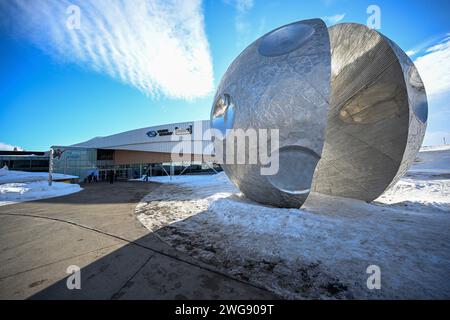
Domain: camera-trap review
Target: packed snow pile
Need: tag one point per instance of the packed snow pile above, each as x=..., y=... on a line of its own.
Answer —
x=10, y=176
x=20, y=186
x=434, y=161
x=419, y=194
x=322, y=250
x=445, y=147
x=427, y=183
x=192, y=180
x=27, y=191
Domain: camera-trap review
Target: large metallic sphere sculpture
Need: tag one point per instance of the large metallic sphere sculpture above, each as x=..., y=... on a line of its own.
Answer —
x=349, y=104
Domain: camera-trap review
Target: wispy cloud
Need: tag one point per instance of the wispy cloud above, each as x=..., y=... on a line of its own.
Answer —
x=242, y=25
x=432, y=59
x=157, y=46
x=434, y=67
x=330, y=20
x=8, y=147
x=243, y=5
x=329, y=2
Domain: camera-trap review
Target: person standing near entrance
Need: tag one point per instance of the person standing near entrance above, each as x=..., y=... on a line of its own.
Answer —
x=111, y=176
x=95, y=175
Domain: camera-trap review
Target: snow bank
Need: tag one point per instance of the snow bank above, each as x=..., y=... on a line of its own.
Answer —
x=191, y=179
x=27, y=191
x=10, y=176
x=434, y=161
x=188, y=180
x=419, y=194
x=323, y=249
x=435, y=148
x=426, y=186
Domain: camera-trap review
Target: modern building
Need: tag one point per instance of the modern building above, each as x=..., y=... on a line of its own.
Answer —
x=166, y=149
x=33, y=161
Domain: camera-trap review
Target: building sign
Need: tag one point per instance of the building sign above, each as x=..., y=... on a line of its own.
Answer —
x=166, y=132
x=181, y=131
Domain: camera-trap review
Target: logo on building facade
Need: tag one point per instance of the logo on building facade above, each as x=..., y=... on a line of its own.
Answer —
x=152, y=134
x=58, y=153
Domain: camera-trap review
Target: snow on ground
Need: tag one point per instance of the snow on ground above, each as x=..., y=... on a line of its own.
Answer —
x=432, y=161
x=427, y=183
x=27, y=191
x=445, y=147
x=20, y=186
x=419, y=194
x=10, y=176
x=322, y=250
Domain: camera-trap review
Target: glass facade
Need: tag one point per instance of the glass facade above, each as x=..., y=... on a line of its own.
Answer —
x=82, y=162
x=74, y=161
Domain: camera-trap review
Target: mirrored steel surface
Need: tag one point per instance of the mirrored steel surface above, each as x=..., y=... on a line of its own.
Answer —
x=349, y=103
x=377, y=115
x=287, y=88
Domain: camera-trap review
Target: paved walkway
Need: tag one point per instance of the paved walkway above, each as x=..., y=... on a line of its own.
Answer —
x=97, y=231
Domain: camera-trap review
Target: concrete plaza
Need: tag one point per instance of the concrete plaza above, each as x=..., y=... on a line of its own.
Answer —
x=96, y=230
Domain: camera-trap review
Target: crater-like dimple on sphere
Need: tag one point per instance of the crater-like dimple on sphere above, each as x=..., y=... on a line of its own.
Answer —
x=296, y=169
x=285, y=39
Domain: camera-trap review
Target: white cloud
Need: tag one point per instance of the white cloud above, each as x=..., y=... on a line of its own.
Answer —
x=334, y=19
x=244, y=5
x=157, y=46
x=241, y=22
x=8, y=147
x=434, y=67
x=411, y=52
x=433, y=63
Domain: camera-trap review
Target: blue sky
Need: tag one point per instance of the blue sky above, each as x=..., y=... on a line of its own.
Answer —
x=131, y=68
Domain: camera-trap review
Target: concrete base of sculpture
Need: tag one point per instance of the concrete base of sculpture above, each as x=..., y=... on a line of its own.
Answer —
x=349, y=104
